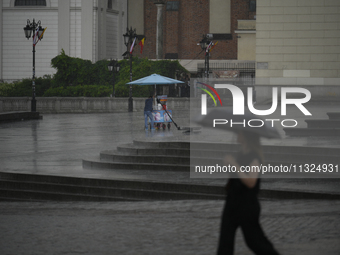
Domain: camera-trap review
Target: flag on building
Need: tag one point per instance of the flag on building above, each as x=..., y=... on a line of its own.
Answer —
x=133, y=45
x=213, y=46
x=35, y=36
x=41, y=36
x=141, y=43
x=208, y=48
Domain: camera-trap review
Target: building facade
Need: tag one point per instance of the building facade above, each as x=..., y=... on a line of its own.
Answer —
x=186, y=21
x=291, y=42
x=298, y=42
x=88, y=29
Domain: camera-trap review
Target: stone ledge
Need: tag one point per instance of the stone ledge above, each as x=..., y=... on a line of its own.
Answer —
x=18, y=116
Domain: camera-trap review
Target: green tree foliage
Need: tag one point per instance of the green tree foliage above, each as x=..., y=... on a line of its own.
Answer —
x=6, y=88
x=23, y=88
x=141, y=68
x=76, y=71
x=79, y=77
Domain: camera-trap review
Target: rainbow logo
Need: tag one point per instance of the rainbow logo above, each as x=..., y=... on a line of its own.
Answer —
x=213, y=90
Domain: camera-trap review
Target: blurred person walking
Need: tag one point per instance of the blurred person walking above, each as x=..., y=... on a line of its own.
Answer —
x=242, y=208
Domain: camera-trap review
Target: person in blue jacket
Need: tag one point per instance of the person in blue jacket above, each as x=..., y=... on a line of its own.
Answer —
x=148, y=112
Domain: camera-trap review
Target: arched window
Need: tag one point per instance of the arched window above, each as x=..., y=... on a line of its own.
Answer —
x=30, y=3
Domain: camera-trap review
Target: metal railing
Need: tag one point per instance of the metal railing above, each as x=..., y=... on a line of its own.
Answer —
x=244, y=71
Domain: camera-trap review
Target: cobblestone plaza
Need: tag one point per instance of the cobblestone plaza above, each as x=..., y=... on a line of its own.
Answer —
x=57, y=144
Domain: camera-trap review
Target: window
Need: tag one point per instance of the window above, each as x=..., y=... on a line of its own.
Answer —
x=171, y=55
x=109, y=4
x=252, y=5
x=30, y=3
x=172, y=6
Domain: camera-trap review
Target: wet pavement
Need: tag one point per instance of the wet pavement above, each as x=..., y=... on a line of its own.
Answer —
x=57, y=144
x=163, y=228
x=59, y=141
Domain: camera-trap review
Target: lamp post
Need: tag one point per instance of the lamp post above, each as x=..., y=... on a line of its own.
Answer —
x=205, y=43
x=113, y=67
x=33, y=27
x=130, y=38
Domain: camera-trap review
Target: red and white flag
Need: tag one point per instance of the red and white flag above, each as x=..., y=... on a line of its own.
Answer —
x=36, y=37
x=133, y=45
x=208, y=48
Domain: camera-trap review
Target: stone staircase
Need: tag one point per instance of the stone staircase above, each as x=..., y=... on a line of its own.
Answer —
x=160, y=158
x=23, y=187
x=175, y=156
x=325, y=127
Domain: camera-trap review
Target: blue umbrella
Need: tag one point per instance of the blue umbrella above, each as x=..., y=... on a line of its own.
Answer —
x=154, y=79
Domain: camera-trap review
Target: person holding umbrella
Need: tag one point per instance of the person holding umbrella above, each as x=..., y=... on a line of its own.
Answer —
x=242, y=207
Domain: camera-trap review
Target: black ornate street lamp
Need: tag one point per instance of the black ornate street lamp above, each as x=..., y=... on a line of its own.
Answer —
x=37, y=30
x=113, y=67
x=130, y=38
x=205, y=45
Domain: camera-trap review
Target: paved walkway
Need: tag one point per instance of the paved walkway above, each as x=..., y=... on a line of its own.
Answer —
x=57, y=144
x=164, y=228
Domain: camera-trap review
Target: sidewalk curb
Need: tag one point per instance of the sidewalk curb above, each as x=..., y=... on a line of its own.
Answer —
x=210, y=191
x=19, y=116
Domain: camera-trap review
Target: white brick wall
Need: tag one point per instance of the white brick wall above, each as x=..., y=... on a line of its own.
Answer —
x=299, y=37
x=111, y=35
x=75, y=29
x=16, y=53
x=17, y=50
x=54, y=3
x=94, y=41
x=6, y=3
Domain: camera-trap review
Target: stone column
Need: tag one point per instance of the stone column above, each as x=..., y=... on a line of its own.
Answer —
x=159, y=33
x=1, y=38
x=87, y=28
x=64, y=26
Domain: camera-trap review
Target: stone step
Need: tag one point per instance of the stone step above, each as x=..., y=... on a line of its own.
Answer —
x=92, y=164
x=51, y=189
x=10, y=198
x=279, y=149
x=323, y=123
x=320, y=155
x=19, y=187
x=100, y=164
x=202, y=157
x=303, y=132
x=13, y=188
x=48, y=191
x=24, y=195
x=121, y=184
x=19, y=116
x=334, y=115
x=163, y=145
x=130, y=149
x=148, y=158
x=210, y=150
